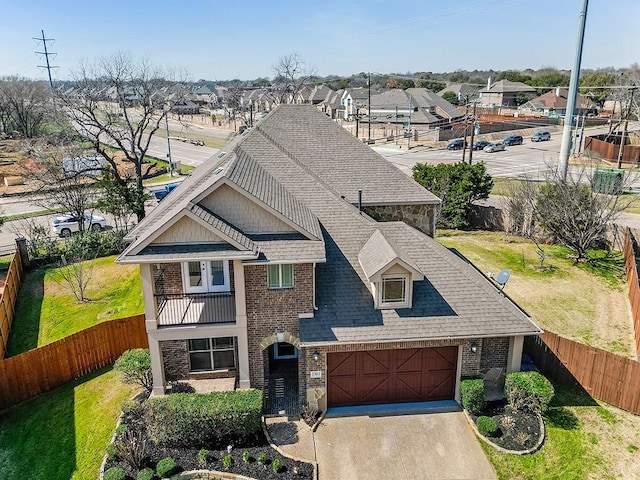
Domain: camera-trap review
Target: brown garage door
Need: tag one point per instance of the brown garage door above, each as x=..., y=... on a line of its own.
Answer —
x=390, y=376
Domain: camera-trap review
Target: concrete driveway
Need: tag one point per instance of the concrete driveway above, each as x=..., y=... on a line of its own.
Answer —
x=434, y=446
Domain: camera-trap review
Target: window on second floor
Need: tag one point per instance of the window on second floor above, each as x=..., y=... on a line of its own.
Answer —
x=280, y=276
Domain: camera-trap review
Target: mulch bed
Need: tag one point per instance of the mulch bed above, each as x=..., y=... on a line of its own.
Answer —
x=187, y=458
x=518, y=430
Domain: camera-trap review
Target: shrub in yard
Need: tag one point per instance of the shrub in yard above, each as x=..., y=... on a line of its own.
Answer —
x=203, y=456
x=114, y=473
x=135, y=367
x=487, y=426
x=201, y=419
x=145, y=474
x=472, y=395
x=227, y=461
x=246, y=456
x=131, y=448
x=165, y=467
x=275, y=466
x=262, y=458
x=528, y=391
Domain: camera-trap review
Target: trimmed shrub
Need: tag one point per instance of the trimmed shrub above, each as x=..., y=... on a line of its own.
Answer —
x=190, y=419
x=472, y=395
x=487, y=426
x=246, y=456
x=203, y=456
x=275, y=466
x=114, y=473
x=227, y=461
x=262, y=458
x=135, y=367
x=145, y=474
x=165, y=467
x=528, y=391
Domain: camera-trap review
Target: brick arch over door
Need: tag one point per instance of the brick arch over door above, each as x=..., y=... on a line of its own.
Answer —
x=282, y=337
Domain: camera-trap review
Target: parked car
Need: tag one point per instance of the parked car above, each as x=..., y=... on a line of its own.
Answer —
x=164, y=191
x=457, y=144
x=541, y=137
x=480, y=144
x=495, y=147
x=65, y=225
x=513, y=140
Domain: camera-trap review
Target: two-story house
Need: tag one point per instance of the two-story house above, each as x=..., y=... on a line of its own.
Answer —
x=299, y=248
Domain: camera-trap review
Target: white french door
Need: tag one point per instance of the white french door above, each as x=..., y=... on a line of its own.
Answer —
x=206, y=276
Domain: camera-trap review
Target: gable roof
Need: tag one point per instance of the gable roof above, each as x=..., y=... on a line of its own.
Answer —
x=431, y=108
x=379, y=253
x=557, y=99
x=506, y=86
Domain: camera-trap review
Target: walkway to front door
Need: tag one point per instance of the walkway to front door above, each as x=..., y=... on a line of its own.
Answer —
x=281, y=388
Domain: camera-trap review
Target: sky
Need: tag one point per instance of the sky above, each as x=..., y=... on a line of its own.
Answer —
x=222, y=40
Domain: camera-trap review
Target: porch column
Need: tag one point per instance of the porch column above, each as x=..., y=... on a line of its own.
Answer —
x=514, y=358
x=150, y=310
x=241, y=323
x=157, y=367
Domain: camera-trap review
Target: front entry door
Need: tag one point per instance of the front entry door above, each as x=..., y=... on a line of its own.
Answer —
x=206, y=276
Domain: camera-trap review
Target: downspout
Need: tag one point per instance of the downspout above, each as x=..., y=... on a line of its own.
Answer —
x=315, y=306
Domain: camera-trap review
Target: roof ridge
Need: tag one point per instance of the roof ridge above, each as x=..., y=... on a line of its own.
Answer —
x=238, y=236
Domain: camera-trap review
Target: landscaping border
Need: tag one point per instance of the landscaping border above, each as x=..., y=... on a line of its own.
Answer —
x=504, y=450
x=277, y=449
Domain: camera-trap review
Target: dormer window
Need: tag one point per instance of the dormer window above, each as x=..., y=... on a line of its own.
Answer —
x=394, y=290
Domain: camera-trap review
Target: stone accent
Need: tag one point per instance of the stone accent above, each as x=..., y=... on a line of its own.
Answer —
x=272, y=311
x=167, y=278
x=420, y=217
x=495, y=353
x=175, y=355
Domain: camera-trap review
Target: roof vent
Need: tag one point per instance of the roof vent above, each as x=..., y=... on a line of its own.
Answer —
x=222, y=154
x=217, y=170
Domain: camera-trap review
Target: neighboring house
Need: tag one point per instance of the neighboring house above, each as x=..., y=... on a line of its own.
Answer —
x=185, y=106
x=354, y=101
x=504, y=94
x=331, y=104
x=205, y=97
x=462, y=91
x=318, y=94
x=414, y=107
x=554, y=102
x=279, y=254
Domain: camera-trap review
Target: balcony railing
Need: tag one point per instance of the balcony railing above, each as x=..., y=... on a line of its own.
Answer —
x=190, y=308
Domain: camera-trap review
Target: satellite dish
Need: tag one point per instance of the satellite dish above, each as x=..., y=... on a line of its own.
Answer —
x=503, y=277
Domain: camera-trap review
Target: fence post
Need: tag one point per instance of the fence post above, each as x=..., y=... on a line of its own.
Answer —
x=21, y=245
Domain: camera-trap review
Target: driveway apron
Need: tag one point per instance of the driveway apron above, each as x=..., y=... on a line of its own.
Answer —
x=434, y=446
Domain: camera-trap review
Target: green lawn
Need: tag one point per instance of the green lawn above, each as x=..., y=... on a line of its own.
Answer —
x=47, y=310
x=585, y=440
x=584, y=301
x=63, y=434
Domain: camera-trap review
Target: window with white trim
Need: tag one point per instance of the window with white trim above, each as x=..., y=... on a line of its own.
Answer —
x=280, y=276
x=206, y=276
x=394, y=290
x=209, y=354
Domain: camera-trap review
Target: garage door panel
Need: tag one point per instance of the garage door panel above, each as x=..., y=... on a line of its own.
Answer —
x=388, y=376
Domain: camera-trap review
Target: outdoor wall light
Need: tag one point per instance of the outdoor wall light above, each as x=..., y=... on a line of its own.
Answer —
x=316, y=356
x=474, y=347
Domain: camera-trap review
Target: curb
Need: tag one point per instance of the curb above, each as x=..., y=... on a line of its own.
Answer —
x=504, y=450
x=277, y=449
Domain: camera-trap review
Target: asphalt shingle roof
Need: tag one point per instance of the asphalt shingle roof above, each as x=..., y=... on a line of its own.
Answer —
x=378, y=252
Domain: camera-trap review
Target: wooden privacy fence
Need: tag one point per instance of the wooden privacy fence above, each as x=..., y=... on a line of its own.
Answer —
x=631, y=266
x=8, y=300
x=37, y=371
x=603, y=375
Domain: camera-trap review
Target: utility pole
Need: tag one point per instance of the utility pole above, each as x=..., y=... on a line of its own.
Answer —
x=48, y=66
x=409, y=125
x=573, y=93
x=166, y=125
x=369, y=108
x=466, y=126
x=396, y=124
x=624, y=129
x=473, y=132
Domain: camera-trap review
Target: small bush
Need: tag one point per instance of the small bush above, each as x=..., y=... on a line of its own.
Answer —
x=528, y=391
x=262, y=458
x=203, y=456
x=487, y=426
x=131, y=448
x=472, y=395
x=135, y=368
x=227, y=461
x=145, y=474
x=275, y=466
x=202, y=419
x=165, y=467
x=120, y=429
x=246, y=457
x=114, y=473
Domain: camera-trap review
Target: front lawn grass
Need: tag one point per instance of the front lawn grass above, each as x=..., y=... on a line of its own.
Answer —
x=47, y=311
x=585, y=439
x=62, y=434
x=586, y=302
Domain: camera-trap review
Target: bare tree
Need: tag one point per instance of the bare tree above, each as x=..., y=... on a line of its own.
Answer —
x=117, y=105
x=578, y=212
x=291, y=74
x=64, y=175
x=25, y=105
x=76, y=268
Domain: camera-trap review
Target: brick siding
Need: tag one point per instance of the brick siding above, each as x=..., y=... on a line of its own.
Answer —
x=167, y=277
x=175, y=356
x=495, y=353
x=271, y=311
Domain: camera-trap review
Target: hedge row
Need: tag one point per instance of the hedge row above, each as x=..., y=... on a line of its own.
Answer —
x=189, y=419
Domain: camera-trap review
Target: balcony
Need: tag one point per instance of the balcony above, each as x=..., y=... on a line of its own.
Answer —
x=195, y=308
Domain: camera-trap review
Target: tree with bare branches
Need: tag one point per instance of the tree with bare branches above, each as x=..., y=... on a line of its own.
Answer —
x=25, y=105
x=118, y=104
x=291, y=74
